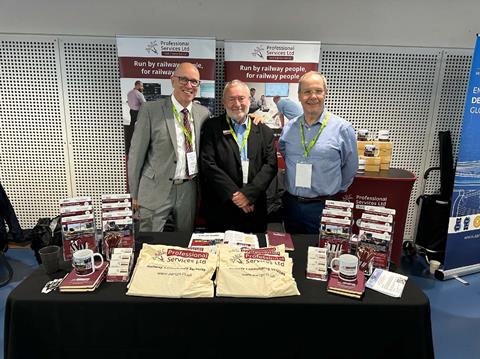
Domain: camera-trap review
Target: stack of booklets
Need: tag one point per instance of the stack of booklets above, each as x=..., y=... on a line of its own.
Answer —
x=121, y=263
x=336, y=228
x=353, y=289
x=277, y=238
x=117, y=223
x=78, y=225
x=317, y=263
x=86, y=283
x=375, y=238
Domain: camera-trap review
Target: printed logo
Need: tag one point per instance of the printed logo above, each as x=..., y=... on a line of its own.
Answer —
x=259, y=51
x=152, y=47
x=347, y=198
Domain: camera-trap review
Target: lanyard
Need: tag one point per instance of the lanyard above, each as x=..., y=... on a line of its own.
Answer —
x=187, y=134
x=245, y=138
x=314, y=140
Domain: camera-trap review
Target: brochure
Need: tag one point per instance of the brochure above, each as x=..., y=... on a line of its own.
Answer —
x=386, y=282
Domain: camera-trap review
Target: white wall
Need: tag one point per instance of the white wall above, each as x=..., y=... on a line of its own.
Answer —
x=430, y=23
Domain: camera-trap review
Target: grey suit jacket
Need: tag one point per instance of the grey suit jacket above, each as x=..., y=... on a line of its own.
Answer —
x=152, y=157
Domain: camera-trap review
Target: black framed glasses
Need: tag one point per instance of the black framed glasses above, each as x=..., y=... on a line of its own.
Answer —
x=185, y=80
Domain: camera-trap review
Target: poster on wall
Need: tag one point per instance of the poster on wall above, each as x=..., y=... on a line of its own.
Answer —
x=147, y=64
x=271, y=70
x=463, y=243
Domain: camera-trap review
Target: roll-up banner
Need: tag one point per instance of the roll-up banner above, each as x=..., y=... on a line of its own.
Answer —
x=463, y=243
x=271, y=68
x=152, y=60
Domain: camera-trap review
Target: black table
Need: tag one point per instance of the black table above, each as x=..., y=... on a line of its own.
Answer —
x=316, y=324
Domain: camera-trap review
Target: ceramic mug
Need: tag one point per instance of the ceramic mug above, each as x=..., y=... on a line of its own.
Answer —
x=347, y=267
x=84, y=261
x=384, y=135
x=362, y=135
x=371, y=151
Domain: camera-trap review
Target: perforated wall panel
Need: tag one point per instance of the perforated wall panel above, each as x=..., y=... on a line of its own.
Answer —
x=94, y=119
x=32, y=157
x=386, y=88
x=448, y=115
x=61, y=128
x=219, y=77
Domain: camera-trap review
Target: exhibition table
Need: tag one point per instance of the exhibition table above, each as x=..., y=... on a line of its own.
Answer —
x=389, y=188
x=107, y=323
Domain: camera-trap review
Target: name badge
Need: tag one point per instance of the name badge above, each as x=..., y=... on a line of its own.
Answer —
x=192, y=163
x=245, y=171
x=303, y=176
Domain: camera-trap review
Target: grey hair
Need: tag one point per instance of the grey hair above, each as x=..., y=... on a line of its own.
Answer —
x=234, y=83
x=310, y=73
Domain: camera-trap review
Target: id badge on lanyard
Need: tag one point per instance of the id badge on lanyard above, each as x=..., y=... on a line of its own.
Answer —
x=192, y=163
x=303, y=175
x=245, y=171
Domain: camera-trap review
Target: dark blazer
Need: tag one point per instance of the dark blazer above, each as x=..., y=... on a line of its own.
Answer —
x=221, y=175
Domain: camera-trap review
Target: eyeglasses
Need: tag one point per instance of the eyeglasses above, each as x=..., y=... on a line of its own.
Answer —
x=316, y=92
x=184, y=81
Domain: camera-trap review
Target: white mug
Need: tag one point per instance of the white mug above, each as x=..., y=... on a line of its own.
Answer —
x=371, y=151
x=347, y=267
x=384, y=135
x=362, y=135
x=84, y=262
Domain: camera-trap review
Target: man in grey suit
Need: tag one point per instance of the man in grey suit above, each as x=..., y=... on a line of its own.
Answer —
x=162, y=165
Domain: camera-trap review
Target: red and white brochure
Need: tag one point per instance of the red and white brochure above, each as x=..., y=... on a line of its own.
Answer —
x=339, y=205
x=382, y=211
x=76, y=201
x=108, y=198
x=116, y=206
x=70, y=211
x=337, y=213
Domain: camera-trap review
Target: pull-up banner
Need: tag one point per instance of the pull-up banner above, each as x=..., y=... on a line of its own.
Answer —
x=463, y=243
x=271, y=68
x=152, y=60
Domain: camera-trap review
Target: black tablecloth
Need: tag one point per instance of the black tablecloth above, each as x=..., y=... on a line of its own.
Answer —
x=316, y=324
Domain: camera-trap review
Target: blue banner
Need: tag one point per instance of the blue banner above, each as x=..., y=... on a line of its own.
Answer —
x=463, y=244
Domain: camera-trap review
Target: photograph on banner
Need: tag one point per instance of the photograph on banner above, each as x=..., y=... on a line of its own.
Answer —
x=147, y=64
x=463, y=243
x=271, y=69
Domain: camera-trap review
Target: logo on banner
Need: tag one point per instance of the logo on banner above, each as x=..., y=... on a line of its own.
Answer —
x=169, y=48
x=259, y=51
x=275, y=52
x=152, y=47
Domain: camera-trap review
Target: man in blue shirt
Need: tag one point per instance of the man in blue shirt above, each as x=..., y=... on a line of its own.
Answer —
x=237, y=164
x=286, y=109
x=320, y=152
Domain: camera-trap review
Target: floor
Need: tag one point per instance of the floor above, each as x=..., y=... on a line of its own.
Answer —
x=455, y=307
x=455, y=310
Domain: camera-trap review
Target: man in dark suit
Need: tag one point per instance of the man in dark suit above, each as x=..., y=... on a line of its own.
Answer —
x=237, y=163
x=162, y=165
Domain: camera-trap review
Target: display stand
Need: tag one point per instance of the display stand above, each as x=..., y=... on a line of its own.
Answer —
x=390, y=188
